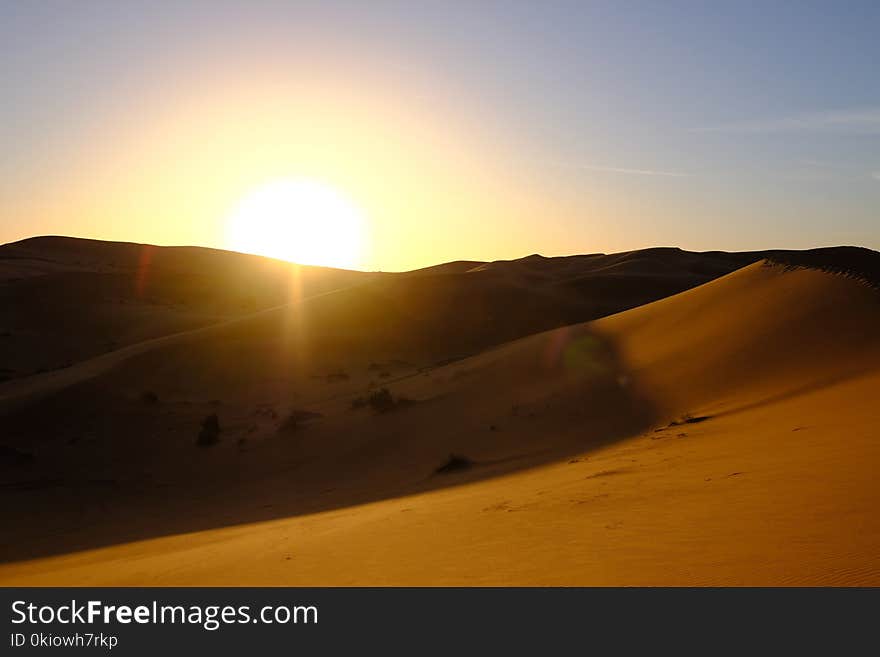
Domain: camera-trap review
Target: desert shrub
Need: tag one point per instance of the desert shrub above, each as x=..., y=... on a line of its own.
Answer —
x=337, y=376
x=266, y=410
x=149, y=397
x=296, y=419
x=381, y=401
x=210, y=432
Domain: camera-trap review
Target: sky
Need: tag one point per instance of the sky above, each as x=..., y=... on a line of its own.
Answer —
x=460, y=130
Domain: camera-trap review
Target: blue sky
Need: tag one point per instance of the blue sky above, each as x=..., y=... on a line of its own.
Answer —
x=616, y=124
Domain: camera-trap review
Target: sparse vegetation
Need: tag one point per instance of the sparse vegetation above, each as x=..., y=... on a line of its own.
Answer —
x=266, y=410
x=210, y=432
x=297, y=419
x=382, y=401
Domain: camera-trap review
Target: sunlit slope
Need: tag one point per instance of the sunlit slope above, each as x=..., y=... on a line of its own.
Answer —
x=761, y=332
x=581, y=466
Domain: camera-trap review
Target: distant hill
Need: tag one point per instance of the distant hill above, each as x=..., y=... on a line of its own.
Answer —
x=64, y=300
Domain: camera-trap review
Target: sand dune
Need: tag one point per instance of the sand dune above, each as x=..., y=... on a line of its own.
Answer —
x=64, y=300
x=723, y=435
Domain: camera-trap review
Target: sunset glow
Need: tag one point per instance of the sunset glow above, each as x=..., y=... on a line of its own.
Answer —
x=451, y=138
x=300, y=220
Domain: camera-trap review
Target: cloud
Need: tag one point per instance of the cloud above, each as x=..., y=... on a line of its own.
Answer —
x=636, y=172
x=875, y=175
x=845, y=122
x=819, y=164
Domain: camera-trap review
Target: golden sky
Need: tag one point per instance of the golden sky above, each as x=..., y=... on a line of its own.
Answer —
x=476, y=131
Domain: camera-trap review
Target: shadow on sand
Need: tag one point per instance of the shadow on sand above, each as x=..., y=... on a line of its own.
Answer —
x=573, y=394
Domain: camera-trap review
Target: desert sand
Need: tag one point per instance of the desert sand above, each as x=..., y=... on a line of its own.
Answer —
x=651, y=418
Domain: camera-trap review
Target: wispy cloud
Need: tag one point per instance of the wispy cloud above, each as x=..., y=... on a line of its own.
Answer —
x=875, y=175
x=864, y=121
x=819, y=164
x=635, y=172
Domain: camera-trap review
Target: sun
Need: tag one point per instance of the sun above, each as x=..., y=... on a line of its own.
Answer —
x=301, y=220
